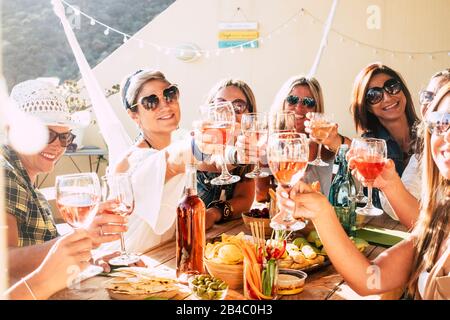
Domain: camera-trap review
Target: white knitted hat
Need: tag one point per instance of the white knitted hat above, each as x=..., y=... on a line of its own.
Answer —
x=41, y=99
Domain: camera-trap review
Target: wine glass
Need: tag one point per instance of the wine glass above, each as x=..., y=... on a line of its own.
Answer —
x=218, y=120
x=288, y=158
x=370, y=157
x=254, y=126
x=117, y=189
x=78, y=199
x=282, y=122
x=321, y=126
x=360, y=197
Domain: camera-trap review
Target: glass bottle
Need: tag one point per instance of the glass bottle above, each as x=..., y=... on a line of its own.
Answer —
x=190, y=230
x=343, y=192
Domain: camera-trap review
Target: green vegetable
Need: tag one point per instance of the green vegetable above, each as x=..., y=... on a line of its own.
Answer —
x=300, y=242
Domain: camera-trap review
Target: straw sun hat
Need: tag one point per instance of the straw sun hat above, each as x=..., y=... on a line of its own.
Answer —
x=42, y=100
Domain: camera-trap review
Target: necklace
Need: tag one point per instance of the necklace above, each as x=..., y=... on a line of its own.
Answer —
x=148, y=143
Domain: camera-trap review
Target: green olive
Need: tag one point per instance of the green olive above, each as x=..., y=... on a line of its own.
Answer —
x=213, y=286
x=201, y=277
x=211, y=293
x=223, y=286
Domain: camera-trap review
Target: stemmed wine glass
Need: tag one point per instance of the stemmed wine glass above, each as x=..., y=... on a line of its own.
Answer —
x=282, y=122
x=218, y=120
x=360, y=197
x=78, y=198
x=288, y=158
x=254, y=126
x=117, y=189
x=370, y=157
x=321, y=126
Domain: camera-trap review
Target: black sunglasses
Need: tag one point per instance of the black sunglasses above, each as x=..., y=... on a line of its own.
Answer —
x=375, y=95
x=306, y=101
x=65, y=138
x=239, y=105
x=151, y=102
x=438, y=122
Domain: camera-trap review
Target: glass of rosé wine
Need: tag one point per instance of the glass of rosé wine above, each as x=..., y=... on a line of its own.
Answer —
x=217, y=123
x=254, y=126
x=78, y=198
x=369, y=155
x=321, y=126
x=288, y=158
x=118, y=191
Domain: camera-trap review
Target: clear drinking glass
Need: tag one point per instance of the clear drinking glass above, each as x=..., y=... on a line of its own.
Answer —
x=255, y=126
x=288, y=158
x=218, y=120
x=117, y=189
x=370, y=157
x=78, y=198
x=282, y=122
x=321, y=126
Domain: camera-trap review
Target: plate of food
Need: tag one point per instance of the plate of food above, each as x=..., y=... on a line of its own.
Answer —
x=137, y=283
x=308, y=254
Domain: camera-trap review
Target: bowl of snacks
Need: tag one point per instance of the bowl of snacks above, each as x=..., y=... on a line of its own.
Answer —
x=258, y=216
x=290, y=281
x=224, y=259
x=206, y=287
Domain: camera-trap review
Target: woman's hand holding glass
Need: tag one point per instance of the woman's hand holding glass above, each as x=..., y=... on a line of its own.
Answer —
x=217, y=128
x=387, y=177
x=288, y=158
x=301, y=202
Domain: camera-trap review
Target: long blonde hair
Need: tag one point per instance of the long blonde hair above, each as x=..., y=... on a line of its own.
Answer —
x=432, y=227
x=298, y=80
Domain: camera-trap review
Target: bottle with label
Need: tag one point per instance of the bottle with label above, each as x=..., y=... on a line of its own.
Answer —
x=190, y=230
x=343, y=192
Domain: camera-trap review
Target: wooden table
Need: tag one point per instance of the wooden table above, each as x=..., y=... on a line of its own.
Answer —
x=324, y=284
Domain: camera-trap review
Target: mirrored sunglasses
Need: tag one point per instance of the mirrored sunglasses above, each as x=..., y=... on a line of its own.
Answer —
x=375, y=95
x=438, y=123
x=425, y=97
x=239, y=105
x=65, y=138
x=152, y=101
x=306, y=101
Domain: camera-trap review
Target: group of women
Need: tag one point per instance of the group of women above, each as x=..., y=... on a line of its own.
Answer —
x=382, y=107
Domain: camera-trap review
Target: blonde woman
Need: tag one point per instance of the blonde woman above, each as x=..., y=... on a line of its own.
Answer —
x=301, y=95
x=421, y=263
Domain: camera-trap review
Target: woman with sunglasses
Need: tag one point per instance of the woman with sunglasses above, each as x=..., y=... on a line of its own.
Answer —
x=31, y=227
x=419, y=264
x=382, y=108
x=228, y=201
x=301, y=95
x=400, y=196
x=153, y=162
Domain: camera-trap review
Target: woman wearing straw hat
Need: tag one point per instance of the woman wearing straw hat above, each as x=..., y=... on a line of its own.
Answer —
x=31, y=228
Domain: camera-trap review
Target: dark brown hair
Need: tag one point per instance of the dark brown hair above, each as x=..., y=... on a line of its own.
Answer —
x=362, y=118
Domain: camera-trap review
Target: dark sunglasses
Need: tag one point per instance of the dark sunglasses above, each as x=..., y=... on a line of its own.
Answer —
x=375, y=95
x=239, y=105
x=65, y=138
x=425, y=97
x=306, y=101
x=151, y=102
x=438, y=122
